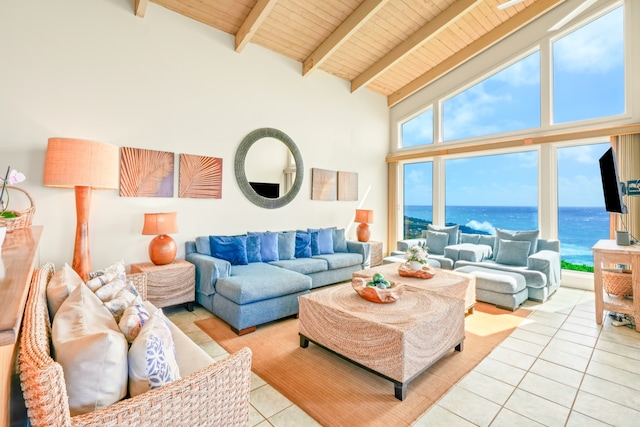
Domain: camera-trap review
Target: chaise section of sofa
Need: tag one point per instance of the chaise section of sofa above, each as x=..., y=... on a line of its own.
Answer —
x=526, y=258
x=209, y=393
x=249, y=294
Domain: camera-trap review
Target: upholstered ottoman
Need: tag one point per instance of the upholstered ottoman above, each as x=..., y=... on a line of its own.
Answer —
x=505, y=289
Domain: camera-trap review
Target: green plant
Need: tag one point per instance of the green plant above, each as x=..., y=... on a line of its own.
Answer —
x=576, y=267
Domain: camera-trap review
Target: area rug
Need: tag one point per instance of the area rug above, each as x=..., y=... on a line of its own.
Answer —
x=336, y=392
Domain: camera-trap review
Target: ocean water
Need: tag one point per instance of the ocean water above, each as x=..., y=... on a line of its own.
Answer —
x=578, y=228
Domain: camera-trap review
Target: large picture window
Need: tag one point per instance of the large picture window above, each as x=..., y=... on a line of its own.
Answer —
x=588, y=70
x=486, y=192
x=418, y=198
x=507, y=101
x=582, y=218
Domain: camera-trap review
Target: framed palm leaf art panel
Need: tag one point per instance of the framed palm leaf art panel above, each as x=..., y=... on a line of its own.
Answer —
x=200, y=177
x=146, y=173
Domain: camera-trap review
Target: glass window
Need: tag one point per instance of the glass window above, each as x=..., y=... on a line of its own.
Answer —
x=419, y=130
x=582, y=218
x=483, y=193
x=507, y=101
x=418, y=197
x=588, y=70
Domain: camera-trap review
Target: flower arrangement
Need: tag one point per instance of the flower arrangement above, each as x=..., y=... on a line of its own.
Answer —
x=10, y=178
x=417, y=253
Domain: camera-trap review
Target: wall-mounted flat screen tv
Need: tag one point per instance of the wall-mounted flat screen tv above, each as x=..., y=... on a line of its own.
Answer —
x=266, y=189
x=611, y=186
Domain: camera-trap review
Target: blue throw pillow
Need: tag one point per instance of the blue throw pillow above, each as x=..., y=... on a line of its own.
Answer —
x=437, y=241
x=268, y=245
x=325, y=241
x=253, y=248
x=229, y=248
x=286, y=245
x=303, y=245
x=315, y=248
x=528, y=236
x=339, y=240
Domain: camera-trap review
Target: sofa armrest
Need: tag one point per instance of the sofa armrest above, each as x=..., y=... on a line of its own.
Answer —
x=362, y=248
x=403, y=245
x=548, y=263
x=208, y=271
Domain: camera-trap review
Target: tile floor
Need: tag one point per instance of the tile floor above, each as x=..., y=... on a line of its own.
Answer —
x=559, y=368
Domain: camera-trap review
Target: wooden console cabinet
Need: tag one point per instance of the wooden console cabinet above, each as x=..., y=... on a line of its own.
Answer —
x=17, y=258
x=608, y=253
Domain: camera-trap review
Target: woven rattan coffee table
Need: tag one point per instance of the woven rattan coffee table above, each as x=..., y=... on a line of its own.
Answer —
x=445, y=282
x=397, y=341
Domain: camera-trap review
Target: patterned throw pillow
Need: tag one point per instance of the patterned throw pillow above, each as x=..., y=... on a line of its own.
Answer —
x=152, y=356
x=123, y=299
x=102, y=277
x=133, y=319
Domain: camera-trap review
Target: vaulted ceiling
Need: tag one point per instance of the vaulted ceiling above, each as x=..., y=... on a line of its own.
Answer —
x=392, y=47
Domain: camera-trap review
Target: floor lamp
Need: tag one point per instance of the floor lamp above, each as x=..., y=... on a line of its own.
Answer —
x=83, y=165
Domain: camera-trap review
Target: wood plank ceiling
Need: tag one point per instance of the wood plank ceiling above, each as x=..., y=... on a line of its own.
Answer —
x=392, y=47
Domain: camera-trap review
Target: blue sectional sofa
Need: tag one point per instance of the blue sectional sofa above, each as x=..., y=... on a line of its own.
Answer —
x=525, y=267
x=263, y=283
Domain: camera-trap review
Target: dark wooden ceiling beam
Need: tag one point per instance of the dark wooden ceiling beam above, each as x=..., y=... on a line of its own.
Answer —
x=430, y=30
x=508, y=27
x=357, y=19
x=250, y=25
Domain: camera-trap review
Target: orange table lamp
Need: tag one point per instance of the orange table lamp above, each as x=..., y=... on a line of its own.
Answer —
x=364, y=217
x=162, y=249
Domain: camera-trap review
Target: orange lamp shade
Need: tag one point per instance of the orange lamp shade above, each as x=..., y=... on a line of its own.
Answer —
x=162, y=249
x=364, y=217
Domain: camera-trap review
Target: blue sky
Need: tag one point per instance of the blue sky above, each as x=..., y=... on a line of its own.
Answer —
x=588, y=70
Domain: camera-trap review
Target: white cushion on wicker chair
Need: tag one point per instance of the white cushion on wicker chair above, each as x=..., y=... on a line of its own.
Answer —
x=60, y=286
x=92, y=351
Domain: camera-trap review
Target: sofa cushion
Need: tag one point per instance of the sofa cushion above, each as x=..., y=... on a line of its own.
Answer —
x=260, y=281
x=152, y=356
x=436, y=242
x=315, y=242
x=469, y=238
x=230, y=248
x=203, y=245
x=325, y=240
x=303, y=265
x=253, y=248
x=339, y=240
x=303, y=245
x=341, y=260
x=62, y=283
x=529, y=236
x=513, y=252
x=451, y=230
x=91, y=350
x=286, y=245
x=468, y=252
x=268, y=245
x=487, y=240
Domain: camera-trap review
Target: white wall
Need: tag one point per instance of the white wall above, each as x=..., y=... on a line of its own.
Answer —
x=91, y=69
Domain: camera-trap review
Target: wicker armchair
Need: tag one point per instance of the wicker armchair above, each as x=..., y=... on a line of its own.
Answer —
x=217, y=395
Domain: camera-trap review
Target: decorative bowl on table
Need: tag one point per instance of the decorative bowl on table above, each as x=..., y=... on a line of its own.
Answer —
x=425, y=273
x=377, y=294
